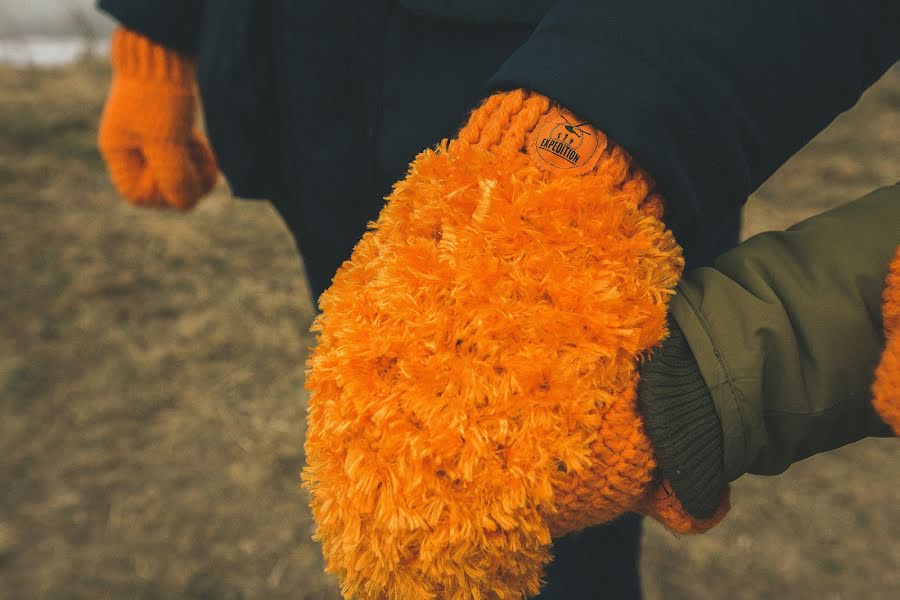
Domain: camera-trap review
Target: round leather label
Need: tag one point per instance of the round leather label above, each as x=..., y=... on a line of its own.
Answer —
x=560, y=143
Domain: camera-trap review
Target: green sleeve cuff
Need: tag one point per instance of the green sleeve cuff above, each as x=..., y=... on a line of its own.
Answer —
x=681, y=421
x=786, y=331
x=733, y=417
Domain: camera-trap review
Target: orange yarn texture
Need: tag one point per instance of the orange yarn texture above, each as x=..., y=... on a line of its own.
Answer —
x=472, y=391
x=886, y=388
x=154, y=155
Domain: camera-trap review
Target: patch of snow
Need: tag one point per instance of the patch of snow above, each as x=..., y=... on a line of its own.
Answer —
x=46, y=51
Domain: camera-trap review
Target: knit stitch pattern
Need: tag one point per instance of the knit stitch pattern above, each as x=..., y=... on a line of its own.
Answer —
x=473, y=386
x=886, y=388
x=154, y=154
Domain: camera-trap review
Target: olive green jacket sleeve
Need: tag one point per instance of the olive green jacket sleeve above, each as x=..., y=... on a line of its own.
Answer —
x=787, y=331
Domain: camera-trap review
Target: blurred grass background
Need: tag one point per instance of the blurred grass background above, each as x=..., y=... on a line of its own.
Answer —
x=152, y=404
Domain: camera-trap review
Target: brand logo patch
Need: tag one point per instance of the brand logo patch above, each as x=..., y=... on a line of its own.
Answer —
x=561, y=143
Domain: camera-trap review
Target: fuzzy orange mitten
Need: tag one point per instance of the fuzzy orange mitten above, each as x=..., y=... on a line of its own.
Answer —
x=886, y=388
x=154, y=155
x=473, y=390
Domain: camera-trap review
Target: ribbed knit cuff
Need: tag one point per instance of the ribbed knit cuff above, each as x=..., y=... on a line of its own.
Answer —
x=532, y=127
x=153, y=92
x=135, y=57
x=681, y=421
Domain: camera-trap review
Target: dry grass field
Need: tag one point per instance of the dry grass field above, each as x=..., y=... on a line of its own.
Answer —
x=152, y=404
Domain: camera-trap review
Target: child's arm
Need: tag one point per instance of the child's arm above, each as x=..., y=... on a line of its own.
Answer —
x=781, y=336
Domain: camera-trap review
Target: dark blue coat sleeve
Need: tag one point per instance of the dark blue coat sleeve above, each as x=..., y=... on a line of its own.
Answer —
x=171, y=23
x=710, y=97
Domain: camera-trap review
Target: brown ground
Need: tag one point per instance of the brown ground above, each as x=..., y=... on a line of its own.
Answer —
x=151, y=401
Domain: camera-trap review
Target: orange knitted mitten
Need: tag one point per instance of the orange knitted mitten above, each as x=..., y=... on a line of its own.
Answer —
x=473, y=390
x=154, y=155
x=887, y=377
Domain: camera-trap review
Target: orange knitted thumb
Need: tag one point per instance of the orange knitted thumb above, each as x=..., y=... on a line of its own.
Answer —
x=154, y=155
x=886, y=388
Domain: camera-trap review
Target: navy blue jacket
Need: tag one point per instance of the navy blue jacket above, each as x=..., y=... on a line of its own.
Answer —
x=320, y=105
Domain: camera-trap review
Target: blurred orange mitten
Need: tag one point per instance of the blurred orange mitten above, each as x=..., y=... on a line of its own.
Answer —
x=887, y=376
x=153, y=152
x=473, y=389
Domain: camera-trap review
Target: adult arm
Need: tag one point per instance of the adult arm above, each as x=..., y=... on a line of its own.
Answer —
x=710, y=97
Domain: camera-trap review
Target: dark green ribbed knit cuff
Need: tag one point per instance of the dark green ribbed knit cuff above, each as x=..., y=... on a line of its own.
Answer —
x=682, y=424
